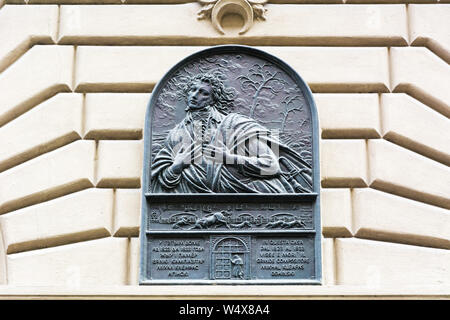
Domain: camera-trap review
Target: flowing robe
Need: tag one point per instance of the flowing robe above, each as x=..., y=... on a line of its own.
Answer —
x=264, y=164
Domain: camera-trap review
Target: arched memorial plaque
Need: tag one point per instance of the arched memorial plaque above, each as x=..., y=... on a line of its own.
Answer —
x=231, y=185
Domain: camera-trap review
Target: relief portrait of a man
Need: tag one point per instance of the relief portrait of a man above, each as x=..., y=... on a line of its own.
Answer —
x=216, y=150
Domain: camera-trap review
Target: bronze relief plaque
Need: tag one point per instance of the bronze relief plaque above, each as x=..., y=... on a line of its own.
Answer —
x=231, y=189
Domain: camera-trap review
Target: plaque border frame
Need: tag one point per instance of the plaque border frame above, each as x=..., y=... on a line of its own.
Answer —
x=221, y=49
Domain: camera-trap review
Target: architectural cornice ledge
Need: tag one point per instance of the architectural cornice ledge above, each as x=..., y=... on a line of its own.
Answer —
x=223, y=292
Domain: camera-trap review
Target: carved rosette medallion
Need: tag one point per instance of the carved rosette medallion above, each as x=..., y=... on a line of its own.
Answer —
x=247, y=9
x=231, y=188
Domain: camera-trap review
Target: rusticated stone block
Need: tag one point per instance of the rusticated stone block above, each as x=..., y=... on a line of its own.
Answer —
x=89, y=263
x=102, y=68
x=343, y=163
x=328, y=262
x=40, y=73
x=38, y=24
x=329, y=69
x=2, y=258
x=119, y=164
x=325, y=69
x=128, y=213
x=400, y=171
x=133, y=276
x=415, y=126
x=423, y=75
x=80, y=216
x=382, y=216
x=336, y=211
x=348, y=115
x=429, y=25
x=54, y=174
x=385, y=265
x=46, y=127
x=115, y=115
x=285, y=25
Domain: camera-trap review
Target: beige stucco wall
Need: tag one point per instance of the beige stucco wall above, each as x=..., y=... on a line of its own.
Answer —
x=74, y=83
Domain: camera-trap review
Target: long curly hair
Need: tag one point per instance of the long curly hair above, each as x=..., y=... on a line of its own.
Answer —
x=222, y=97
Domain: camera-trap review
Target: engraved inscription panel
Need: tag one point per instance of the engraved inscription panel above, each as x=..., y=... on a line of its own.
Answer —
x=284, y=257
x=178, y=258
x=231, y=257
